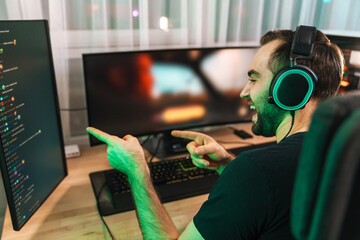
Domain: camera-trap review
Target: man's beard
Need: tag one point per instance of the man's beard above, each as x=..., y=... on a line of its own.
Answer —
x=268, y=120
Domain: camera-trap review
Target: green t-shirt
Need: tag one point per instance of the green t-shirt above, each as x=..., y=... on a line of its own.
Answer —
x=251, y=199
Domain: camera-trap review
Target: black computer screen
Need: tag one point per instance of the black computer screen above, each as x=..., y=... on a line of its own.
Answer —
x=143, y=92
x=32, y=154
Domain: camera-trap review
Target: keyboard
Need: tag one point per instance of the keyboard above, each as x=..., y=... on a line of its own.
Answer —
x=173, y=180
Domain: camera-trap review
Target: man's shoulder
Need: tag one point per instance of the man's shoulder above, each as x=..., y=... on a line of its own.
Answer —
x=290, y=147
x=272, y=159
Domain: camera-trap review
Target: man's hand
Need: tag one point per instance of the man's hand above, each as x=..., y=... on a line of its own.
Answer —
x=204, y=150
x=125, y=154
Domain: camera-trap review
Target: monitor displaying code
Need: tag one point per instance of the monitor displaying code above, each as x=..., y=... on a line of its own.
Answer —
x=31, y=154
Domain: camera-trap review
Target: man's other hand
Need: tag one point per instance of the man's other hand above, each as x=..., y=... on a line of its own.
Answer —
x=125, y=154
x=204, y=150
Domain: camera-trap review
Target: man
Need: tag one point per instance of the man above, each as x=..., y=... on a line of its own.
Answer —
x=251, y=199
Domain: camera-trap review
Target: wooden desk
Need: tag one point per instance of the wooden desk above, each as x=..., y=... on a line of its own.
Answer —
x=70, y=212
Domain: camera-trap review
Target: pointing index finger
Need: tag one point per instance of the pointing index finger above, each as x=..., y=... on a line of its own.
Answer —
x=102, y=136
x=197, y=137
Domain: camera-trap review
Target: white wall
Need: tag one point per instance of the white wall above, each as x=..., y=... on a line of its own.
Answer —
x=84, y=26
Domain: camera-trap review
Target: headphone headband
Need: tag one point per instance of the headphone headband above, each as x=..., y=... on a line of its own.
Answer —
x=303, y=43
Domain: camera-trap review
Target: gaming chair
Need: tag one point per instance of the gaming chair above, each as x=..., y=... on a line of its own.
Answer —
x=326, y=196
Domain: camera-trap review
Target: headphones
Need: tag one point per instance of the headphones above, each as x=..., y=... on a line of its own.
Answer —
x=292, y=86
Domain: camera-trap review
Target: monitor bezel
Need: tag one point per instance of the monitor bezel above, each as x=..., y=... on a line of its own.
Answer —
x=4, y=170
x=345, y=42
x=94, y=142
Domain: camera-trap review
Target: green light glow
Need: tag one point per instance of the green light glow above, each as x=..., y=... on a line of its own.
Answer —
x=307, y=95
x=186, y=169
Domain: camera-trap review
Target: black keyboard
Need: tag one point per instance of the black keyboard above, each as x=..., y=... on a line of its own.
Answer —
x=173, y=180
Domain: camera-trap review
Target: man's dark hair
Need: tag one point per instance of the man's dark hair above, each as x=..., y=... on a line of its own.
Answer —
x=327, y=60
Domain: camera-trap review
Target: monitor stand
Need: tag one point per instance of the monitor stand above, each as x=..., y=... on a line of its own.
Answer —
x=174, y=145
x=164, y=145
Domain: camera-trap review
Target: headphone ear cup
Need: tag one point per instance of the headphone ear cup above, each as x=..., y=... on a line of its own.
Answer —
x=291, y=88
x=275, y=79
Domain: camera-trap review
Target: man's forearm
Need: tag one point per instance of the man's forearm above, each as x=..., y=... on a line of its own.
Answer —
x=154, y=221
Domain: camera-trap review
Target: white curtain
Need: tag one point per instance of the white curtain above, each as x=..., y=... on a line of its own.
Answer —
x=83, y=26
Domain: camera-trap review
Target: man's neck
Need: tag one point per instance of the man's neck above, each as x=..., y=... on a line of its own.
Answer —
x=302, y=120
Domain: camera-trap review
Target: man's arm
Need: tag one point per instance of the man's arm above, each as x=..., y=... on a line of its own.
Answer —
x=154, y=221
x=127, y=156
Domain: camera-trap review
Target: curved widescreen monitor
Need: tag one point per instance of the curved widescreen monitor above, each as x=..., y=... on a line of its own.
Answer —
x=144, y=92
x=32, y=156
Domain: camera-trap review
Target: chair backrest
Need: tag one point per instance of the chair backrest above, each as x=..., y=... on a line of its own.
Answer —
x=320, y=169
x=337, y=211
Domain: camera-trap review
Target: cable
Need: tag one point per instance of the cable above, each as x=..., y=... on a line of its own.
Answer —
x=156, y=150
x=98, y=208
x=143, y=142
x=107, y=227
x=292, y=123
